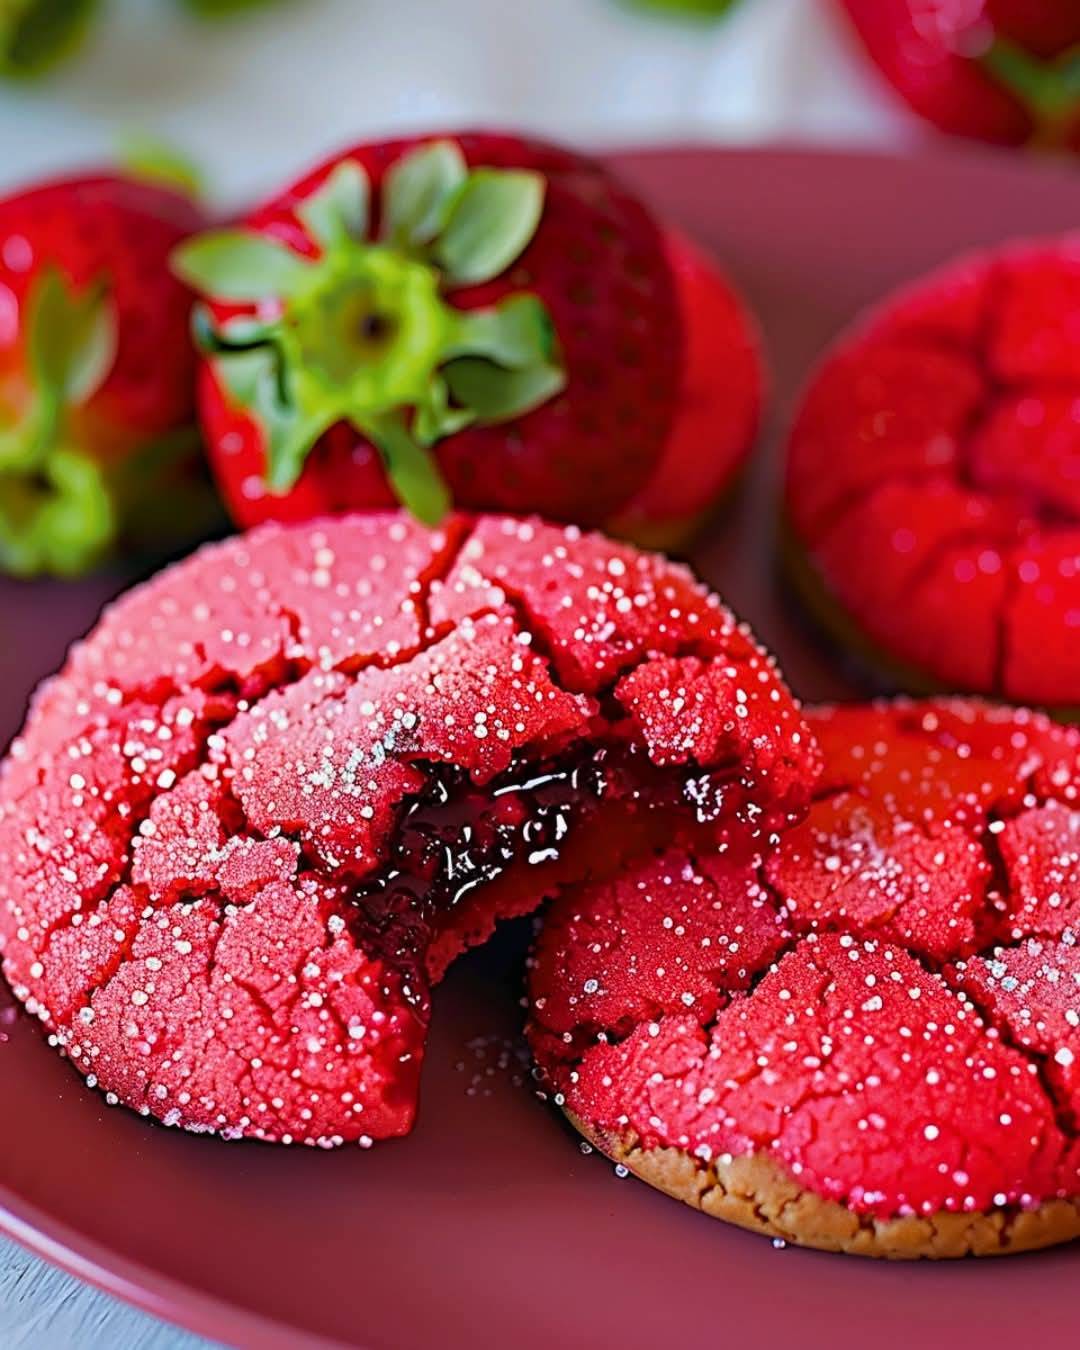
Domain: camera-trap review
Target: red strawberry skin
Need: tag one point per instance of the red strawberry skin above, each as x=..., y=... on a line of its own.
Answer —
x=933, y=52
x=598, y=263
x=121, y=231
x=720, y=404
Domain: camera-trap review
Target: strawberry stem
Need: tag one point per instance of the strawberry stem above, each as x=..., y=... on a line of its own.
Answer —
x=1048, y=91
x=412, y=471
x=57, y=512
x=363, y=333
x=59, y=520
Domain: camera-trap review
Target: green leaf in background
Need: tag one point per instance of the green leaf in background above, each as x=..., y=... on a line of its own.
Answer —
x=71, y=339
x=685, y=9
x=223, y=9
x=1049, y=90
x=153, y=161
x=38, y=34
x=60, y=520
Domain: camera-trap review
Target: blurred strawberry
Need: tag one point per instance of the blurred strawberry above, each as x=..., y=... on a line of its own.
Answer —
x=998, y=70
x=481, y=317
x=97, y=434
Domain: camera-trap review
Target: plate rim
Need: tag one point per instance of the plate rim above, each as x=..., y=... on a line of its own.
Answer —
x=174, y=1302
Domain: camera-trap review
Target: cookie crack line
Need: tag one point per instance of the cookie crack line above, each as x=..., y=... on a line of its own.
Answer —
x=1010, y=548
x=945, y=971
x=162, y=689
x=761, y=1141
x=1039, y=1061
x=996, y=388
x=796, y=933
x=297, y=667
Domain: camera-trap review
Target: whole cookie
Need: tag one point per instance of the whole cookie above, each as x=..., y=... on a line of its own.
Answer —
x=867, y=1040
x=280, y=787
x=933, y=482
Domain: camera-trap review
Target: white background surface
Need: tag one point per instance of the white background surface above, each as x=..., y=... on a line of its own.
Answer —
x=257, y=98
x=254, y=100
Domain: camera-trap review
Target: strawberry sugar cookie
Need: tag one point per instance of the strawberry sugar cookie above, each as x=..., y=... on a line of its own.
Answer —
x=866, y=1040
x=283, y=785
x=933, y=482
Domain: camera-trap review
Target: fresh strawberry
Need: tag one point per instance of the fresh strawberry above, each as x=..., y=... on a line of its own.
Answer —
x=997, y=70
x=97, y=430
x=720, y=403
x=483, y=318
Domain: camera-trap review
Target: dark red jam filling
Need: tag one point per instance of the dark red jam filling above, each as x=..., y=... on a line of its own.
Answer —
x=455, y=838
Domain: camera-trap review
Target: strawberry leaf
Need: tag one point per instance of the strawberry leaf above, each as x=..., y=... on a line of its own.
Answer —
x=516, y=333
x=1049, y=90
x=59, y=520
x=152, y=161
x=412, y=470
x=254, y=381
x=498, y=395
x=338, y=211
x=419, y=191
x=239, y=265
x=492, y=220
x=364, y=333
x=239, y=332
x=93, y=351
x=71, y=339
x=244, y=372
x=435, y=418
x=290, y=432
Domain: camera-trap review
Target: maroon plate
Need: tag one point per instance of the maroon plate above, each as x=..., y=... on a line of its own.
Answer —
x=489, y=1226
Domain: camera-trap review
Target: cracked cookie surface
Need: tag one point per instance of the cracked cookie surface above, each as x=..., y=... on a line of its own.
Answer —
x=281, y=786
x=933, y=481
x=865, y=1040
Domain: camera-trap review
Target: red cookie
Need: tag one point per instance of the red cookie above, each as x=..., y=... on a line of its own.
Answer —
x=282, y=786
x=933, y=482
x=866, y=1041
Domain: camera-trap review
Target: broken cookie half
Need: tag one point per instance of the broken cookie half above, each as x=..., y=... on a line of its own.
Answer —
x=867, y=1039
x=283, y=785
